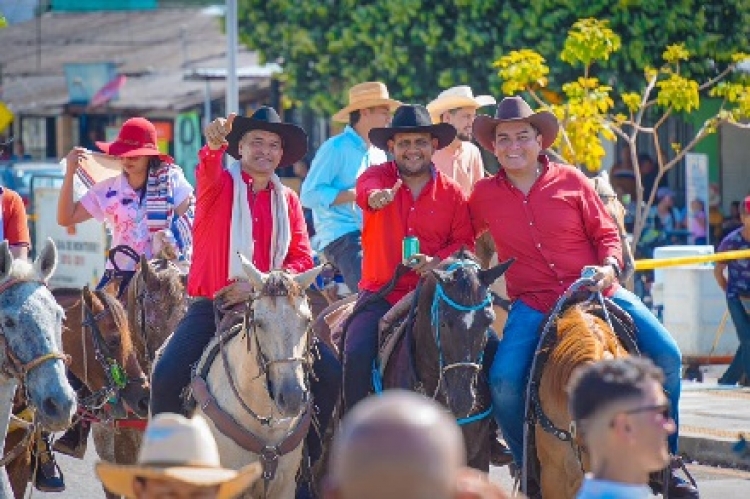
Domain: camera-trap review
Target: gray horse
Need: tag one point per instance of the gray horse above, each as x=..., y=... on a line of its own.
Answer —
x=30, y=339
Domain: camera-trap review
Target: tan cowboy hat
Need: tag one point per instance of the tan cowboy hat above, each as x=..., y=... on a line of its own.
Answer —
x=365, y=95
x=515, y=109
x=179, y=449
x=455, y=98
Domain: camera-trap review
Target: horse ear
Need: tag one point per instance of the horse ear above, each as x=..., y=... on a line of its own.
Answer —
x=487, y=277
x=6, y=259
x=257, y=278
x=146, y=270
x=46, y=262
x=87, y=298
x=304, y=280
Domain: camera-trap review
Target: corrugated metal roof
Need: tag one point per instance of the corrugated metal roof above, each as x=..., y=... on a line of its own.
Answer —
x=154, y=48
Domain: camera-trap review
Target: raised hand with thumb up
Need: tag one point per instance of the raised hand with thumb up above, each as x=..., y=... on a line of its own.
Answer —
x=216, y=132
x=379, y=198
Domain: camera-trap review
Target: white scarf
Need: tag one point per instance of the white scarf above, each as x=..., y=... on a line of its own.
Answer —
x=241, y=229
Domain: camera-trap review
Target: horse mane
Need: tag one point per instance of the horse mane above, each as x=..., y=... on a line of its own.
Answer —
x=581, y=338
x=169, y=276
x=280, y=283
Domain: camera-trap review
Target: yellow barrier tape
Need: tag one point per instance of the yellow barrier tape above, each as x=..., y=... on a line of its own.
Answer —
x=656, y=263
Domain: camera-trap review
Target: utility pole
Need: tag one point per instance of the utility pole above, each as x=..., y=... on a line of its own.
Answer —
x=232, y=101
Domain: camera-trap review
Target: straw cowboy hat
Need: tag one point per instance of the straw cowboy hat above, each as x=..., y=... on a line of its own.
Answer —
x=179, y=449
x=137, y=137
x=293, y=138
x=515, y=109
x=365, y=95
x=412, y=119
x=455, y=98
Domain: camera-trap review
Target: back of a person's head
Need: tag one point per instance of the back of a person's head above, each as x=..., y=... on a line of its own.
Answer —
x=399, y=445
x=601, y=384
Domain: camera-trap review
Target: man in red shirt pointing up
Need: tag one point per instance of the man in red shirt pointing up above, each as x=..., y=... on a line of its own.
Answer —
x=404, y=197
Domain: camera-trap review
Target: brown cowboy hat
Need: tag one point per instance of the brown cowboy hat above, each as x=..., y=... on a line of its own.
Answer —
x=293, y=138
x=366, y=95
x=412, y=119
x=137, y=137
x=515, y=109
x=178, y=449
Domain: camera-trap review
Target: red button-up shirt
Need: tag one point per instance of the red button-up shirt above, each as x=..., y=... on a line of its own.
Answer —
x=555, y=230
x=213, y=219
x=438, y=217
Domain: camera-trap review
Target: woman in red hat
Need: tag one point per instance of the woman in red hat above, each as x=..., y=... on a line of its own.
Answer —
x=150, y=196
x=149, y=203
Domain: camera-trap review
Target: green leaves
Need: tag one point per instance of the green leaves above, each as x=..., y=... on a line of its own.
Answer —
x=589, y=40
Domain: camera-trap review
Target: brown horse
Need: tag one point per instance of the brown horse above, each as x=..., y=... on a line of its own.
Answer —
x=97, y=338
x=582, y=337
x=441, y=354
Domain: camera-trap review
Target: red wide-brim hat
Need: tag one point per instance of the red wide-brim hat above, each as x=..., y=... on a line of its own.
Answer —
x=137, y=137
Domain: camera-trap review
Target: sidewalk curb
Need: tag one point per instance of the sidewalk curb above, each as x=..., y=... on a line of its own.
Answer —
x=713, y=451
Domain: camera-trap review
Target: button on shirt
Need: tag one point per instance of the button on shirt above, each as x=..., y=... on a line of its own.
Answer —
x=554, y=231
x=336, y=167
x=213, y=219
x=462, y=162
x=438, y=217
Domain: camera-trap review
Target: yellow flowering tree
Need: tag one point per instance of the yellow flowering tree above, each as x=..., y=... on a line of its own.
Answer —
x=588, y=112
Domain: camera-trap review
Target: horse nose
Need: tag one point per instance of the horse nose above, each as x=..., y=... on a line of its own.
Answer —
x=289, y=401
x=57, y=410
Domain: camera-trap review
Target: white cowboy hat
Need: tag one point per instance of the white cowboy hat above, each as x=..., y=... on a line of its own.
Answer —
x=365, y=95
x=179, y=449
x=455, y=98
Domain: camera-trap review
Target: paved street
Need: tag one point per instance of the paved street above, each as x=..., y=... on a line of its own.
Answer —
x=714, y=483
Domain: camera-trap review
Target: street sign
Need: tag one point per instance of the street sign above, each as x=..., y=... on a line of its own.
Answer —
x=696, y=188
x=81, y=252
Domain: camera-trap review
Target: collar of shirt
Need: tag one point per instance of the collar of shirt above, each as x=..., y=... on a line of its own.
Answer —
x=249, y=181
x=542, y=159
x=350, y=132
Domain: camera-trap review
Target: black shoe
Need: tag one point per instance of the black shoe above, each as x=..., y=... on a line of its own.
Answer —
x=73, y=442
x=677, y=487
x=48, y=476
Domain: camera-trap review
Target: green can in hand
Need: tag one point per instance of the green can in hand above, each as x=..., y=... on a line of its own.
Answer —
x=410, y=247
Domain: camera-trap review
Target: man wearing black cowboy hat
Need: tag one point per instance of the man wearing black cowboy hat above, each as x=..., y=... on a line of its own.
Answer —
x=400, y=198
x=244, y=209
x=549, y=217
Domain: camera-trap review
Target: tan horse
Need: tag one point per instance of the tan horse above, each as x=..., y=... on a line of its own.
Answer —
x=582, y=337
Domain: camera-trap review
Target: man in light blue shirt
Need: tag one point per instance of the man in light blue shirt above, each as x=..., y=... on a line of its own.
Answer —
x=328, y=189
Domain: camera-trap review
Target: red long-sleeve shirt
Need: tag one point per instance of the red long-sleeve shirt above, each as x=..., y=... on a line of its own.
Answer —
x=438, y=217
x=213, y=218
x=555, y=230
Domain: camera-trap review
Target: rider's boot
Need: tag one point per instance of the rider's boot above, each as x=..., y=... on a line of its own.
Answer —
x=677, y=487
x=500, y=454
x=73, y=442
x=48, y=476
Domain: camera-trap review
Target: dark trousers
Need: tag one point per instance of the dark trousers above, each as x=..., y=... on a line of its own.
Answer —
x=345, y=253
x=361, y=348
x=172, y=371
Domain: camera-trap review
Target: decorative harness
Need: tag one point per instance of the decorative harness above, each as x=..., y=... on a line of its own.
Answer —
x=225, y=423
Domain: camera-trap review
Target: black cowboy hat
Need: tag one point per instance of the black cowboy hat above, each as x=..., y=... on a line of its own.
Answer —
x=293, y=138
x=515, y=109
x=412, y=119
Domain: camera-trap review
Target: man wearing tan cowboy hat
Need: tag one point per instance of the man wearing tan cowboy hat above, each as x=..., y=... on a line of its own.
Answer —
x=244, y=208
x=403, y=197
x=549, y=217
x=178, y=459
x=328, y=189
x=461, y=160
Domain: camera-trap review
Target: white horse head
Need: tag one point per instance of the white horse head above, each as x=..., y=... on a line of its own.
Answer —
x=281, y=318
x=31, y=328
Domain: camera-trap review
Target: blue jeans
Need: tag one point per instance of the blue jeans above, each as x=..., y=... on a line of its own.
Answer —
x=345, y=253
x=510, y=370
x=741, y=362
